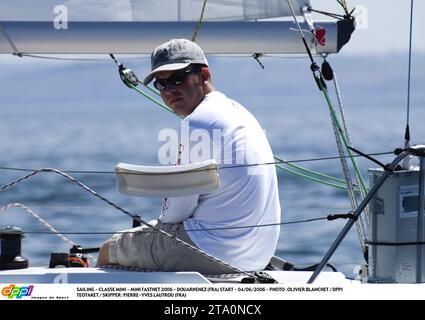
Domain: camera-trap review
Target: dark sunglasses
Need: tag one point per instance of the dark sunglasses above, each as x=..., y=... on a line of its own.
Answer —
x=176, y=78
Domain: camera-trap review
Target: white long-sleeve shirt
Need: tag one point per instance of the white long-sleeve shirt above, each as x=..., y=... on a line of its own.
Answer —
x=222, y=129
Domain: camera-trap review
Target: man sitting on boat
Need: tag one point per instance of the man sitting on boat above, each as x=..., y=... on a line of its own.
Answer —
x=220, y=223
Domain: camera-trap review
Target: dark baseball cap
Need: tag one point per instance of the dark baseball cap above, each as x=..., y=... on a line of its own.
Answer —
x=173, y=55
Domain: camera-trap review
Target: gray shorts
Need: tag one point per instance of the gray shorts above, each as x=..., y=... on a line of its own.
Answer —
x=146, y=248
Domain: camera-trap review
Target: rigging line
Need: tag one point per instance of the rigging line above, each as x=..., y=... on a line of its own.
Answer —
x=159, y=103
x=346, y=171
x=343, y=4
x=291, y=163
x=66, y=171
x=10, y=41
x=301, y=32
x=342, y=187
x=65, y=206
x=42, y=221
x=264, y=55
x=407, y=135
x=359, y=225
x=121, y=68
x=150, y=88
x=133, y=216
x=279, y=161
x=198, y=26
x=280, y=56
x=347, y=133
x=330, y=14
x=59, y=58
x=337, y=127
x=257, y=57
x=188, y=230
x=328, y=218
x=72, y=59
x=344, y=138
x=396, y=244
x=336, y=157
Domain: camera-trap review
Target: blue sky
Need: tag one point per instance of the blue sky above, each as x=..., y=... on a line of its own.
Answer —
x=387, y=28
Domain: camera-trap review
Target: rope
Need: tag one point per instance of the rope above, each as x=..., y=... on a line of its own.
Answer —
x=58, y=58
x=135, y=217
x=312, y=178
x=16, y=52
x=363, y=219
x=339, y=134
x=42, y=221
x=280, y=161
x=301, y=33
x=198, y=26
x=406, y=162
x=159, y=103
x=344, y=139
x=10, y=41
x=360, y=225
x=257, y=57
x=151, y=89
x=361, y=232
x=410, y=63
x=343, y=4
x=329, y=218
x=313, y=172
x=396, y=244
x=330, y=14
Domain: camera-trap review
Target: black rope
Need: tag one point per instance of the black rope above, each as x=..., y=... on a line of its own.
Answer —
x=113, y=58
x=343, y=4
x=330, y=14
x=188, y=230
x=19, y=54
x=314, y=266
x=66, y=171
x=385, y=167
x=407, y=131
x=412, y=151
x=222, y=167
x=58, y=58
x=257, y=57
x=395, y=244
x=350, y=215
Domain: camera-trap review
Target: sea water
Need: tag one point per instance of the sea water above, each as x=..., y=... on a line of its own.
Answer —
x=79, y=117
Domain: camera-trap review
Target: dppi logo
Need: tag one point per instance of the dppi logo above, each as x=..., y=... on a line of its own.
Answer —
x=13, y=291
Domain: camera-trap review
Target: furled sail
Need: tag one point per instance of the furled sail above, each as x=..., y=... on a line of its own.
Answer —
x=136, y=26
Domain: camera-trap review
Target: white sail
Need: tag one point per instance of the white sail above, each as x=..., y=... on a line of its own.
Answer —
x=148, y=10
x=137, y=26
